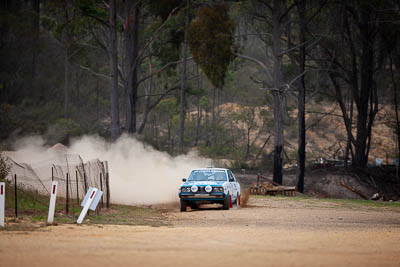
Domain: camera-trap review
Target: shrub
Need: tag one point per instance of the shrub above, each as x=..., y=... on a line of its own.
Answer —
x=4, y=167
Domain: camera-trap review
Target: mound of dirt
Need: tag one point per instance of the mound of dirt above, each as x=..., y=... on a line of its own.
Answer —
x=339, y=182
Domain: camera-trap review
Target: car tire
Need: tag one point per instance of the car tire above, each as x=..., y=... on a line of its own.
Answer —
x=183, y=205
x=194, y=206
x=226, y=203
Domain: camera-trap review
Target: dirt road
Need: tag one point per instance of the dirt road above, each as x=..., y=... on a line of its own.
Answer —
x=270, y=232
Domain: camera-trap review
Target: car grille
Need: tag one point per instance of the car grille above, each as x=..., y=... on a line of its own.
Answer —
x=201, y=189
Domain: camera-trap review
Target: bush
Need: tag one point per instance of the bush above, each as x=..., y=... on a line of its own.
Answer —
x=62, y=130
x=4, y=167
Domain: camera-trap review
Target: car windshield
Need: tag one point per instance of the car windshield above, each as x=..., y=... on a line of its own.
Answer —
x=208, y=175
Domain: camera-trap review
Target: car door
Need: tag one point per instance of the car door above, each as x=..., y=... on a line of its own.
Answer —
x=233, y=185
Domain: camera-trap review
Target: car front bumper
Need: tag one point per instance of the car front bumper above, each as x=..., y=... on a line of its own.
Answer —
x=202, y=196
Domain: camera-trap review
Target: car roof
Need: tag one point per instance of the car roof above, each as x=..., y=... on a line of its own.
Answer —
x=211, y=168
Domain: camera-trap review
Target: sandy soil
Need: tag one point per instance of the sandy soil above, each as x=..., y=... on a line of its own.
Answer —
x=269, y=232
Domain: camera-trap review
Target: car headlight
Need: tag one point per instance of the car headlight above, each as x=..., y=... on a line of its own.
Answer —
x=185, y=189
x=194, y=188
x=218, y=189
x=208, y=188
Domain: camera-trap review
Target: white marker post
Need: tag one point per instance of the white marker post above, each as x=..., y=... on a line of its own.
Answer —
x=53, y=197
x=90, y=201
x=2, y=202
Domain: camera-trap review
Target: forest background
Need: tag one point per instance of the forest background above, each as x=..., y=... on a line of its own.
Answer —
x=257, y=84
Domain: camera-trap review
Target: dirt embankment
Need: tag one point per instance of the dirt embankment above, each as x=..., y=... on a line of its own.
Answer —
x=269, y=232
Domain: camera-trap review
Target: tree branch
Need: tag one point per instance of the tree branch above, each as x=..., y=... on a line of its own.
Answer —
x=98, y=74
x=255, y=61
x=160, y=70
x=154, y=36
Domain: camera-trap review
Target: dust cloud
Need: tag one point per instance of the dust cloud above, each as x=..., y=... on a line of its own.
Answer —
x=139, y=174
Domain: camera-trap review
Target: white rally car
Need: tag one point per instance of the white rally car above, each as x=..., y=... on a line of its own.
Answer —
x=210, y=185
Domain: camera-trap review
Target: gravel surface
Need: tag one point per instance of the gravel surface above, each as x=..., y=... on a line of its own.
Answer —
x=268, y=232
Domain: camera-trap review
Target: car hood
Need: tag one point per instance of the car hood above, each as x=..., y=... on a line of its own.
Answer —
x=200, y=183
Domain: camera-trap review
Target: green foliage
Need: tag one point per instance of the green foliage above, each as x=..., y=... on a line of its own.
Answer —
x=66, y=21
x=4, y=167
x=223, y=147
x=167, y=46
x=246, y=115
x=168, y=106
x=90, y=9
x=205, y=103
x=8, y=121
x=61, y=130
x=210, y=40
x=195, y=92
x=163, y=8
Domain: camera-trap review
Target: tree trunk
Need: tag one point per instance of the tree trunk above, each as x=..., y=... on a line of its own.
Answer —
x=183, y=86
x=132, y=13
x=301, y=153
x=213, y=123
x=199, y=117
x=66, y=85
x=148, y=92
x=361, y=81
x=348, y=145
x=248, y=143
x=360, y=159
x=397, y=114
x=36, y=29
x=113, y=57
x=278, y=96
x=199, y=111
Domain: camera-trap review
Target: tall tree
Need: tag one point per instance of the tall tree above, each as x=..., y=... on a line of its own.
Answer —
x=301, y=150
x=210, y=37
x=272, y=16
x=183, y=84
x=113, y=57
x=36, y=30
x=131, y=60
x=278, y=11
x=356, y=61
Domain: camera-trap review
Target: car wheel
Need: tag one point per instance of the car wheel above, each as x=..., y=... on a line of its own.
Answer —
x=227, y=202
x=194, y=206
x=183, y=205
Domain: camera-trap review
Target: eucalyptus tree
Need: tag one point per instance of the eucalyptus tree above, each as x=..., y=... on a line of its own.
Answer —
x=355, y=57
x=141, y=26
x=210, y=38
x=113, y=57
x=64, y=20
x=268, y=21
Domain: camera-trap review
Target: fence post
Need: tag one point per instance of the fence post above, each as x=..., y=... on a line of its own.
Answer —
x=108, y=190
x=15, y=195
x=101, y=188
x=67, y=196
x=77, y=186
x=2, y=202
x=85, y=181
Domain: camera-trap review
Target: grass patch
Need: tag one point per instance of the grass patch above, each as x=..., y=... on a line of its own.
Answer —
x=33, y=210
x=349, y=203
x=116, y=214
x=362, y=202
x=129, y=215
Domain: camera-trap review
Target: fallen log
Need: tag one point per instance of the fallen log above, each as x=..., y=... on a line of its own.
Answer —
x=352, y=189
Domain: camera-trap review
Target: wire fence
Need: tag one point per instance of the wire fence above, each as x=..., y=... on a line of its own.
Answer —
x=74, y=177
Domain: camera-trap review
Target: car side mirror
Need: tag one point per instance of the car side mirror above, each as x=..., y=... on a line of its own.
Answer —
x=184, y=180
